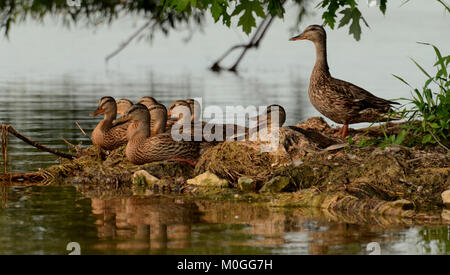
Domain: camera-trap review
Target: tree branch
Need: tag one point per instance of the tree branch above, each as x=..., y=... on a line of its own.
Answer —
x=41, y=147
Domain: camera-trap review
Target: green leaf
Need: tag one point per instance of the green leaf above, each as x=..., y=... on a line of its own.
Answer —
x=383, y=6
x=247, y=20
x=346, y=18
x=427, y=139
x=276, y=8
x=355, y=27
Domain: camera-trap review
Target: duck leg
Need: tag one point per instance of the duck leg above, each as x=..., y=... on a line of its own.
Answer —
x=344, y=130
x=339, y=133
x=184, y=160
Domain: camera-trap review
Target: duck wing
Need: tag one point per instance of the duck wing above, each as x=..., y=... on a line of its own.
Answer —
x=358, y=96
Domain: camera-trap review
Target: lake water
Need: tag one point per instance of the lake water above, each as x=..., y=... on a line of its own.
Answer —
x=52, y=77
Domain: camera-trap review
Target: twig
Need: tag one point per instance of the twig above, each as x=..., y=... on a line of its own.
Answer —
x=33, y=177
x=437, y=140
x=253, y=43
x=4, y=147
x=68, y=143
x=81, y=129
x=41, y=147
x=124, y=44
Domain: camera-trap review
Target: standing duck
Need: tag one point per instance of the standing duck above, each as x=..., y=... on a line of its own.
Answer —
x=340, y=101
x=142, y=148
x=108, y=135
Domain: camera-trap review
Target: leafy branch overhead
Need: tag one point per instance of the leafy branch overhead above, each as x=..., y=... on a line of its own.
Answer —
x=176, y=12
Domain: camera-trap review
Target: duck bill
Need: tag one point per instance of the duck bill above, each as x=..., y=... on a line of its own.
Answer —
x=298, y=37
x=97, y=112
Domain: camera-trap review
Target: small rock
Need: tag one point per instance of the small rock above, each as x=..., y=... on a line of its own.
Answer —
x=336, y=147
x=393, y=149
x=445, y=214
x=297, y=162
x=446, y=198
x=143, y=178
x=275, y=185
x=351, y=156
x=246, y=184
x=208, y=179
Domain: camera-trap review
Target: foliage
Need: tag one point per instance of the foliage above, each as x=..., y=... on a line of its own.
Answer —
x=175, y=12
x=431, y=104
x=350, y=12
x=428, y=111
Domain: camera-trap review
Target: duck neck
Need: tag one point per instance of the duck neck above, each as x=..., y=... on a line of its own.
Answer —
x=321, y=66
x=142, y=130
x=108, y=120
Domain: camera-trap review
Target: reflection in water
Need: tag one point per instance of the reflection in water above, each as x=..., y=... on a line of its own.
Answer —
x=162, y=225
x=44, y=219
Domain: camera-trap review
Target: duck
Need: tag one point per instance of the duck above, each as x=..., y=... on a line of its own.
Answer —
x=158, y=114
x=123, y=105
x=107, y=134
x=339, y=100
x=143, y=148
x=265, y=119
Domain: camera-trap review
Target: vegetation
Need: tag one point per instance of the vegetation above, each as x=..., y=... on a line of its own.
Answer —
x=170, y=14
x=432, y=104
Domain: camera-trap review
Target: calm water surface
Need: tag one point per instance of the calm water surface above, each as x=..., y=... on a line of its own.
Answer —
x=52, y=77
x=43, y=220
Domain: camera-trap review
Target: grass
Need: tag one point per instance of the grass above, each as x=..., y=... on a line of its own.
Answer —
x=427, y=111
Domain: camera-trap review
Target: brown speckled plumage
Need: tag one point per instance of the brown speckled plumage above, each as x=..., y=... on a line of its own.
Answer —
x=340, y=101
x=158, y=114
x=142, y=148
x=107, y=135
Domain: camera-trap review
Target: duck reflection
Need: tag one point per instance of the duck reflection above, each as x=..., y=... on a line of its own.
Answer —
x=162, y=225
x=139, y=223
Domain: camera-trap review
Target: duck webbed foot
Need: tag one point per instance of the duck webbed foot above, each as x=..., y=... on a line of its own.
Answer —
x=342, y=132
x=191, y=163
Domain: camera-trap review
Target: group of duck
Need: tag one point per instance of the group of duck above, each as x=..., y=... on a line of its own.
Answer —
x=145, y=127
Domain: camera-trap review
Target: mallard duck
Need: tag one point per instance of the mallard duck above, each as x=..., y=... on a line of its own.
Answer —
x=265, y=119
x=123, y=105
x=340, y=101
x=158, y=115
x=108, y=135
x=142, y=148
x=195, y=109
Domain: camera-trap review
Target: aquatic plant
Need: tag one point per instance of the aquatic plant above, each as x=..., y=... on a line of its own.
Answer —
x=430, y=104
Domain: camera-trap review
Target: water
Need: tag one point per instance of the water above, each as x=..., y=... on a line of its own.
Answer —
x=43, y=220
x=52, y=77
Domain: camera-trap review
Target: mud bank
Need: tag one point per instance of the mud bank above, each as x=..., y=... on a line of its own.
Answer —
x=309, y=169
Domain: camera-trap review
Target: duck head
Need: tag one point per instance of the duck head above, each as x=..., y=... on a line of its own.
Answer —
x=147, y=101
x=137, y=113
x=314, y=33
x=179, y=110
x=123, y=105
x=106, y=105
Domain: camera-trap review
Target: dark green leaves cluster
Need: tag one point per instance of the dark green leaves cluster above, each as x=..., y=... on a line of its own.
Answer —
x=246, y=10
x=350, y=14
